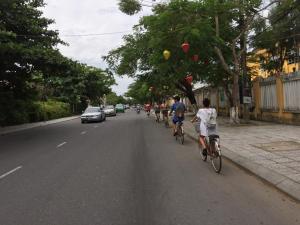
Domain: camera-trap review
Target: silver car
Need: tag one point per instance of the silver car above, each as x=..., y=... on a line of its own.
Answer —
x=93, y=114
x=110, y=110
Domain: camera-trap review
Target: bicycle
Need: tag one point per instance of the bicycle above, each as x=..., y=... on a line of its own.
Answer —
x=180, y=132
x=212, y=143
x=157, y=117
x=165, y=118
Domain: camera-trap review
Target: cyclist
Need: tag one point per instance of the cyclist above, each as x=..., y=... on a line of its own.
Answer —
x=179, y=109
x=208, y=123
x=147, y=109
x=157, y=111
x=164, y=110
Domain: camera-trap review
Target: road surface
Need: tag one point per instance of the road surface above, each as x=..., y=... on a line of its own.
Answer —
x=125, y=171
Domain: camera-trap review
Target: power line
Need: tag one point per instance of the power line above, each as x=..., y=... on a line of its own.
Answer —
x=99, y=34
x=76, y=35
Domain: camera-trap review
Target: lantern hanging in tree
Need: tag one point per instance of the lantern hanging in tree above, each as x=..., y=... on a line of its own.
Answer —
x=167, y=54
x=151, y=89
x=185, y=47
x=189, y=79
x=195, y=58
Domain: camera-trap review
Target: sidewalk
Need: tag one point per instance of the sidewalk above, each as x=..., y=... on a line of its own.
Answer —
x=270, y=151
x=12, y=129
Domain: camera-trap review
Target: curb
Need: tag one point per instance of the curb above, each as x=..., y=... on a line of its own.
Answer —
x=278, y=181
x=17, y=128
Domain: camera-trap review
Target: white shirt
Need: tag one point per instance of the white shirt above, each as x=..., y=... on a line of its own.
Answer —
x=208, y=117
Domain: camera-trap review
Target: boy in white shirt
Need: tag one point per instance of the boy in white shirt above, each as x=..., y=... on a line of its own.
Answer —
x=208, y=123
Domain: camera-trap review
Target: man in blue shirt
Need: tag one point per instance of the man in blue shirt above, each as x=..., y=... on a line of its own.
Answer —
x=179, y=109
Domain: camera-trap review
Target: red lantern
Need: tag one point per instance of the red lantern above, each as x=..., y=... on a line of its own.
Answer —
x=185, y=47
x=195, y=58
x=189, y=79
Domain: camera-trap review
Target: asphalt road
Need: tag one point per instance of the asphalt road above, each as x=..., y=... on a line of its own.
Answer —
x=127, y=170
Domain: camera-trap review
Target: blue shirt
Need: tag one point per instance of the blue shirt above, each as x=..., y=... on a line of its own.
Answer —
x=176, y=105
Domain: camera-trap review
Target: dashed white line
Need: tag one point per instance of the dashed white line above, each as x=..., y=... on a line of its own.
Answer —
x=10, y=172
x=60, y=145
x=96, y=126
x=83, y=132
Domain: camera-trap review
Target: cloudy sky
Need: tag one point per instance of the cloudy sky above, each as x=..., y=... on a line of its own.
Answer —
x=73, y=17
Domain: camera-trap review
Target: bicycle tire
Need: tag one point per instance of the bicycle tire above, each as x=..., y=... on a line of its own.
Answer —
x=203, y=157
x=181, y=135
x=166, y=124
x=216, y=158
x=182, y=139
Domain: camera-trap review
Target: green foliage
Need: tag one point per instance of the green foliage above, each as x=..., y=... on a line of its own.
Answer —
x=32, y=69
x=113, y=99
x=129, y=7
x=278, y=35
x=52, y=109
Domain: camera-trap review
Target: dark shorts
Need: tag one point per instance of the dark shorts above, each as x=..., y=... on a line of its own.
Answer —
x=177, y=119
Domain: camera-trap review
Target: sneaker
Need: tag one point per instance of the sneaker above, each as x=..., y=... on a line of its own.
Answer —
x=204, y=152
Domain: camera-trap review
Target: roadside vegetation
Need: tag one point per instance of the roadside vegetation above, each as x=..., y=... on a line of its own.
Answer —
x=36, y=81
x=211, y=41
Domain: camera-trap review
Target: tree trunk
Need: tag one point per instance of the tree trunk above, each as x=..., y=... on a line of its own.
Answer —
x=234, y=111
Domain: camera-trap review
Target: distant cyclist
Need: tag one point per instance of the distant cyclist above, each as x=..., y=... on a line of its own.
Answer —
x=147, y=109
x=164, y=108
x=179, y=109
x=157, y=111
x=208, y=123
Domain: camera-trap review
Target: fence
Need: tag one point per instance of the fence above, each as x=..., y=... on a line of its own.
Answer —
x=291, y=89
x=278, y=98
x=268, y=95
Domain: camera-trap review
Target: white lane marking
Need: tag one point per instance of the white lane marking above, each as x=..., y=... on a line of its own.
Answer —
x=58, y=146
x=96, y=126
x=83, y=132
x=10, y=172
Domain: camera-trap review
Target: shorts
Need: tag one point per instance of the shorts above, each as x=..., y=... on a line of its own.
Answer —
x=177, y=119
x=157, y=111
x=165, y=112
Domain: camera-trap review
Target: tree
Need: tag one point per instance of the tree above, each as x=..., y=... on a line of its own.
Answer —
x=27, y=46
x=168, y=28
x=228, y=40
x=278, y=35
x=113, y=99
x=32, y=69
x=130, y=7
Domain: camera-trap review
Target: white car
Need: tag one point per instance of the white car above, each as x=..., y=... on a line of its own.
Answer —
x=93, y=114
x=110, y=110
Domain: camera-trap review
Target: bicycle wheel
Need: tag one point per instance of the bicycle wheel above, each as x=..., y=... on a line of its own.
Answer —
x=204, y=157
x=216, y=158
x=181, y=135
x=166, y=123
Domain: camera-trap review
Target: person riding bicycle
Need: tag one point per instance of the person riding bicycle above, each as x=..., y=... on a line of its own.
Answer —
x=148, y=108
x=208, y=123
x=138, y=108
x=164, y=110
x=179, y=109
x=157, y=111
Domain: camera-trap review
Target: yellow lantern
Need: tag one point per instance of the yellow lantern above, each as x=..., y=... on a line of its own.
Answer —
x=167, y=54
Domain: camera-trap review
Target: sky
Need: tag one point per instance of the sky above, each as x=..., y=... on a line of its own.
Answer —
x=73, y=17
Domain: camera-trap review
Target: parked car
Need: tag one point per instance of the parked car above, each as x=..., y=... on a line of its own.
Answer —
x=110, y=110
x=120, y=108
x=93, y=114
